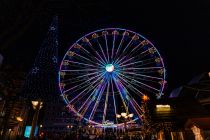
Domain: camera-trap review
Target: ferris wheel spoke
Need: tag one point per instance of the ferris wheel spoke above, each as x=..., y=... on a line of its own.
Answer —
x=141, y=61
x=84, y=50
x=145, y=63
x=128, y=97
x=92, y=48
x=113, y=45
x=145, y=53
x=83, y=93
x=118, y=59
x=86, y=58
x=121, y=92
x=124, y=61
x=81, y=76
x=84, y=82
x=124, y=50
x=105, y=59
x=75, y=81
x=101, y=60
x=137, y=109
x=96, y=60
x=130, y=85
x=132, y=63
x=142, y=78
x=89, y=88
x=141, y=83
x=127, y=46
x=142, y=75
x=147, y=80
x=89, y=84
x=88, y=99
x=80, y=70
x=85, y=108
x=97, y=101
x=137, y=61
x=106, y=102
x=139, y=46
x=143, y=68
x=136, y=103
x=97, y=94
x=81, y=63
x=92, y=57
x=115, y=109
x=78, y=80
x=120, y=45
x=107, y=49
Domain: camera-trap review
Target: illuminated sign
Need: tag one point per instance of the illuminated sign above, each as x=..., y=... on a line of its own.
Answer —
x=108, y=124
x=163, y=107
x=28, y=131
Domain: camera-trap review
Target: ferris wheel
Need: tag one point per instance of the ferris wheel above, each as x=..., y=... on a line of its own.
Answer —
x=107, y=72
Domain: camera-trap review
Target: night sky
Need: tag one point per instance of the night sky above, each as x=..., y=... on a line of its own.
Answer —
x=179, y=30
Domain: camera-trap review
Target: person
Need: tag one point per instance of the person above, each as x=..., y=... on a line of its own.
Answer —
x=85, y=135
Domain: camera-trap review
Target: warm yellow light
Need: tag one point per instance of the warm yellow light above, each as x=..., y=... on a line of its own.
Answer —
x=19, y=119
x=34, y=103
x=118, y=116
x=145, y=98
x=123, y=114
x=209, y=74
x=130, y=115
x=40, y=126
x=41, y=105
x=163, y=107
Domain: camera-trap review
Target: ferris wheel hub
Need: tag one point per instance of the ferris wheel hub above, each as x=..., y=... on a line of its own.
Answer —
x=109, y=68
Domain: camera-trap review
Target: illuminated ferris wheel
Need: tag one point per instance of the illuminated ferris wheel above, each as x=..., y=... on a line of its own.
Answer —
x=107, y=72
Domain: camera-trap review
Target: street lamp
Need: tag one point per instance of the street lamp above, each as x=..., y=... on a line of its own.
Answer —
x=123, y=114
x=19, y=119
x=130, y=115
x=37, y=105
x=118, y=116
x=125, y=117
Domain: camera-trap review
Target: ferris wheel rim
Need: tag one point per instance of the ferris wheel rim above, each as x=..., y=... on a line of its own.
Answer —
x=106, y=29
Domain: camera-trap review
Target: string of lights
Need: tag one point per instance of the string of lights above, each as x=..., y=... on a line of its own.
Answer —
x=42, y=80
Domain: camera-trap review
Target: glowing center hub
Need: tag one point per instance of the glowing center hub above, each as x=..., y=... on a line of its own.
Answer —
x=109, y=67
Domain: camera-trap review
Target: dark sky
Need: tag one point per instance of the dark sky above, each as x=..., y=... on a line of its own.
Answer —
x=179, y=29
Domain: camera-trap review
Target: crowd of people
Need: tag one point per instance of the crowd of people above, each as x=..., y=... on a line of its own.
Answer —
x=88, y=135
